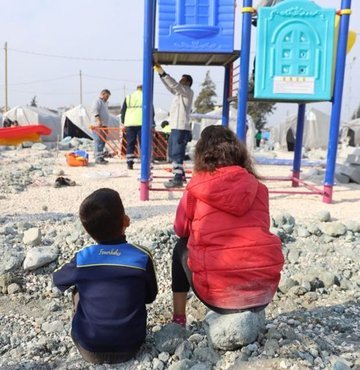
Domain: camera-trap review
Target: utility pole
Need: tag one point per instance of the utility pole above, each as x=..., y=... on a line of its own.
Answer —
x=6, y=78
x=81, y=92
x=350, y=79
x=124, y=88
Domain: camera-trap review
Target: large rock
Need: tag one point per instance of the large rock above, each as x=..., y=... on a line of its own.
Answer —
x=63, y=146
x=340, y=177
x=74, y=142
x=323, y=216
x=13, y=288
x=184, y=350
x=169, y=337
x=182, y=365
x=229, y=332
x=10, y=260
x=286, y=284
x=352, y=171
x=6, y=280
x=353, y=226
x=333, y=228
x=39, y=146
x=354, y=158
x=207, y=355
x=327, y=278
x=53, y=327
x=32, y=236
x=39, y=256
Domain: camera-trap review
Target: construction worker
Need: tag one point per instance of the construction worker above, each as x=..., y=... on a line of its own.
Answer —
x=131, y=118
x=100, y=113
x=180, y=124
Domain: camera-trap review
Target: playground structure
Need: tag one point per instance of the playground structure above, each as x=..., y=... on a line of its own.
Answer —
x=19, y=134
x=296, y=67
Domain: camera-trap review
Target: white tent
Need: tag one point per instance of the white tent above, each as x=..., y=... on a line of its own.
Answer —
x=316, y=130
x=76, y=122
x=214, y=118
x=351, y=132
x=27, y=115
x=160, y=115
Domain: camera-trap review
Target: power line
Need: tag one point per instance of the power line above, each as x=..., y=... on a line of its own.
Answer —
x=68, y=93
x=74, y=58
x=39, y=81
x=119, y=79
x=59, y=92
x=109, y=78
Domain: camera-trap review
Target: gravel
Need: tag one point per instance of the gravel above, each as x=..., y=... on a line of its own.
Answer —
x=312, y=323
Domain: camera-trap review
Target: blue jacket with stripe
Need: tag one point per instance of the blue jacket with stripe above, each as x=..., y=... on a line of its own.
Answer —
x=114, y=282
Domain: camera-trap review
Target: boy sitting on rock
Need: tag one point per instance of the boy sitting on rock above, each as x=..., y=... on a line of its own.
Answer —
x=113, y=281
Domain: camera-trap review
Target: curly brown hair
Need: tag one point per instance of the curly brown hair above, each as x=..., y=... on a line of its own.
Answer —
x=219, y=147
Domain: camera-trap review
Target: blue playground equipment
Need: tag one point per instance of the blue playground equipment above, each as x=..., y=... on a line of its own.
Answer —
x=196, y=26
x=297, y=61
x=295, y=52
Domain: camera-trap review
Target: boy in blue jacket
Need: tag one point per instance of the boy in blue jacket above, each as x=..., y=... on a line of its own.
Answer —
x=113, y=281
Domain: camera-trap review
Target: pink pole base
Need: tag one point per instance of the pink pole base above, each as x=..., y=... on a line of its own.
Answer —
x=328, y=192
x=296, y=175
x=144, y=190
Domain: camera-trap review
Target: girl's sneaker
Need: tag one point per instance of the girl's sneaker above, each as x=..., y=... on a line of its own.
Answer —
x=180, y=320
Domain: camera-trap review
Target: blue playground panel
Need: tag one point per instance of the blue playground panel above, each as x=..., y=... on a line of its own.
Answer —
x=295, y=52
x=196, y=26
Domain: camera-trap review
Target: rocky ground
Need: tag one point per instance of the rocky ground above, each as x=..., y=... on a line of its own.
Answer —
x=313, y=322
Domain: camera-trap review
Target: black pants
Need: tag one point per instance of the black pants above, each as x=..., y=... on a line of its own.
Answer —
x=133, y=135
x=99, y=357
x=182, y=278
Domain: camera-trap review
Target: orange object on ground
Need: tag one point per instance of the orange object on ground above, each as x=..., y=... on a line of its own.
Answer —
x=17, y=135
x=77, y=158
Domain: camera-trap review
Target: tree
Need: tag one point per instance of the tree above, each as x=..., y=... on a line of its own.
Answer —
x=33, y=102
x=258, y=110
x=204, y=102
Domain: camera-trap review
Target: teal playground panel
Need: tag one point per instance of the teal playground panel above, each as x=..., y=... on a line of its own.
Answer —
x=295, y=52
x=196, y=26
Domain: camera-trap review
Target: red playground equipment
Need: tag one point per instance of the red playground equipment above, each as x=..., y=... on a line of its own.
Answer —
x=19, y=134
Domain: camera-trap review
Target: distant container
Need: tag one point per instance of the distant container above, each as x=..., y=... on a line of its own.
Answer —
x=295, y=51
x=196, y=26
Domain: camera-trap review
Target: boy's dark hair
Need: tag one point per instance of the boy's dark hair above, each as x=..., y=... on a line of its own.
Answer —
x=219, y=147
x=102, y=214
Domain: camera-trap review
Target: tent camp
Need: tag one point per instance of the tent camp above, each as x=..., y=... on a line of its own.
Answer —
x=316, y=130
x=76, y=122
x=350, y=132
x=28, y=115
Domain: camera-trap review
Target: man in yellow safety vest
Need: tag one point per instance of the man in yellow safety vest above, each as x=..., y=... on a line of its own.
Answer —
x=131, y=118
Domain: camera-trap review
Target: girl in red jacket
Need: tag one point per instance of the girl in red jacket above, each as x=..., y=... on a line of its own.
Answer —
x=226, y=252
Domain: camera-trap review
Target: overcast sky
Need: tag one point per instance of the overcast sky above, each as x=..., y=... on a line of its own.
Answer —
x=85, y=33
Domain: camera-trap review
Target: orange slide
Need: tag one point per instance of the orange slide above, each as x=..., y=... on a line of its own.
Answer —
x=19, y=134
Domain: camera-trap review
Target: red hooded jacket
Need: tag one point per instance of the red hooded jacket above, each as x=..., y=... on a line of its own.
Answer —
x=235, y=261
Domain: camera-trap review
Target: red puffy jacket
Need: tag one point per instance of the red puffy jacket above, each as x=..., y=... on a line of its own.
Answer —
x=235, y=261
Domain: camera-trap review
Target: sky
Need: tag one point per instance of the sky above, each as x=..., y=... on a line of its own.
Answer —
x=49, y=42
